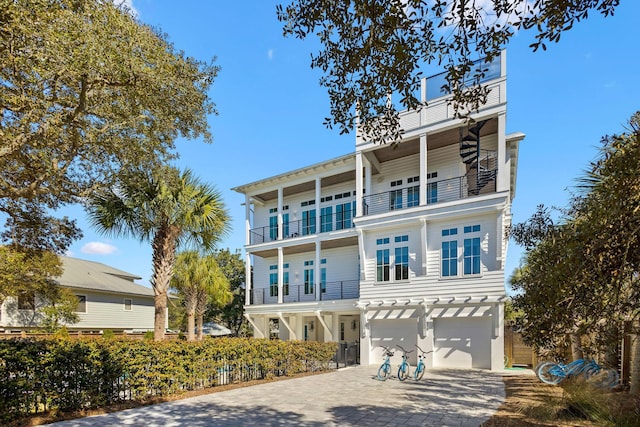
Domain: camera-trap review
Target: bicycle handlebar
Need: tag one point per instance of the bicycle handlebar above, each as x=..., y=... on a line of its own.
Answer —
x=424, y=352
x=405, y=351
x=387, y=351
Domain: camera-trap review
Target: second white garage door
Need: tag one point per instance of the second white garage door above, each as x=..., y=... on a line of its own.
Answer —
x=462, y=342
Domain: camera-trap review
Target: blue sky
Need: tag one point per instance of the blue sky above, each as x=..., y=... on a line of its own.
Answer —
x=272, y=108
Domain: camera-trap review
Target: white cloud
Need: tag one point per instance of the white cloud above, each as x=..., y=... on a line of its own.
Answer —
x=127, y=4
x=70, y=254
x=98, y=248
x=270, y=54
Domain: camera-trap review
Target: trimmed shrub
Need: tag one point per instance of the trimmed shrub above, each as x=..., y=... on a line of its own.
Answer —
x=70, y=374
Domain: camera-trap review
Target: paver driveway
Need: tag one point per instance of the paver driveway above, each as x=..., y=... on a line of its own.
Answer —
x=349, y=397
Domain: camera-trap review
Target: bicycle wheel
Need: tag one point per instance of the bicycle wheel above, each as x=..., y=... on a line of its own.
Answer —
x=417, y=375
x=383, y=372
x=403, y=372
x=549, y=373
x=537, y=368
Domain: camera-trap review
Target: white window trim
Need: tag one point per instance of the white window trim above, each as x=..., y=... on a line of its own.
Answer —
x=460, y=238
x=86, y=306
x=392, y=245
x=124, y=304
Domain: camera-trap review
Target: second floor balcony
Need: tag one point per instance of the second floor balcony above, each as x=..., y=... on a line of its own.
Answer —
x=310, y=224
x=345, y=289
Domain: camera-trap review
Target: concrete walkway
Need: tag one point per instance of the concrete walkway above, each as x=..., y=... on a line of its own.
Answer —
x=349, y=397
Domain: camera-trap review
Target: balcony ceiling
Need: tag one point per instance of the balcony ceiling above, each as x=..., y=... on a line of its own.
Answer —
x=291, y=248
x=434, y=141
x=309, y=186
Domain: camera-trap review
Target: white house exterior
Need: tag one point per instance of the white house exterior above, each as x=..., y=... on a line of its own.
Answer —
x=392, y=246
x=108, y=299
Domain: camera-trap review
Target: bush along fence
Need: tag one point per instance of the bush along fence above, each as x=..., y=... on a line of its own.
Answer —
x=39, y=375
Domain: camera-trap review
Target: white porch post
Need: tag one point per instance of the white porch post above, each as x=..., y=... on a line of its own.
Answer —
x=503, y=163
x=247, y=219
x=260, y=327
x=359, y=184
x=423, y=169
x=247, y=279
x=497, y=339
x=298, y=326
x=363, y=259
x=280, y=275
x=318, y=196
x=500, y=241
x=335, y=326
x=280, y=227
x=316, y=273
x=423, y=246
x=367, y=177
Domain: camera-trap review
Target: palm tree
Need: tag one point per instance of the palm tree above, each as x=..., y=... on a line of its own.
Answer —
x=168, y=208
x=200, y=282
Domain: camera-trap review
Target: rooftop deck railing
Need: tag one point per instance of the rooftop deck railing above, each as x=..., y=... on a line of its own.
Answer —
x=345, y=289
x=437, y=84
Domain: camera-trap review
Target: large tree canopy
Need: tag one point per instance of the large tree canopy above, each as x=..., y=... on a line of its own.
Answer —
x=580, y=276
x=84, y=90
x=373, y=48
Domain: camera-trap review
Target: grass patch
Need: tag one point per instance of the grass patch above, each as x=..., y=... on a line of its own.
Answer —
x=605, y=407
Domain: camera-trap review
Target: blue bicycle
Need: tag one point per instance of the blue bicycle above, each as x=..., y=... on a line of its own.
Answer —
x=404, y=369
x=554, y=373
x=385, y=369
x=420, y=367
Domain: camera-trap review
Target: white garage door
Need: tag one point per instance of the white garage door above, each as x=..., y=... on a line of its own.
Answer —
x=462, y=343
x=391, y=333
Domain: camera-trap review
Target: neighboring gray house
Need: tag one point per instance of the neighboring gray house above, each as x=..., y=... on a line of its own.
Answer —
x=108, y=299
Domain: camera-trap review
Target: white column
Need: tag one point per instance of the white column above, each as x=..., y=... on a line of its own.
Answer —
x=247, y=278
x=503, y=163
x=280, y=275
x=335, y=326
x=363, y=259
x=497, y=338
x=359, y=184
x=423, y=169
x=247, y=219
x=298, y=325
x=367, y=177
x=318, y=196
x=280, y=203
x=424, y=246
x=499, y=241
x=365, y=339
x=316, y=273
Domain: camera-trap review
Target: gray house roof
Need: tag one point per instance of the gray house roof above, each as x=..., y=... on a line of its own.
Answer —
x=89, y=275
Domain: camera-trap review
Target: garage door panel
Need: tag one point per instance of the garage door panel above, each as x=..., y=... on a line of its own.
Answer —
x=391, y=333
x=462, y=342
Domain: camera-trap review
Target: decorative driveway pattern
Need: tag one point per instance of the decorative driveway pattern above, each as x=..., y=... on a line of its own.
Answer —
x=349, y=397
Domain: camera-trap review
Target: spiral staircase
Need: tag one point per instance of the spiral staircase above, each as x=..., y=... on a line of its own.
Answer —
x=481, y=164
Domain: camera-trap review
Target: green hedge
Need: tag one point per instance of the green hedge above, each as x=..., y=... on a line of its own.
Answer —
x=67, y=374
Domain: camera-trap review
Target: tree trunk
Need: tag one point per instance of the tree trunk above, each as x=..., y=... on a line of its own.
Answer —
x=191, y=325
x=634, y=382
x=200, y=321
x=160, y=302
x=576, y=346
x=164, y=259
